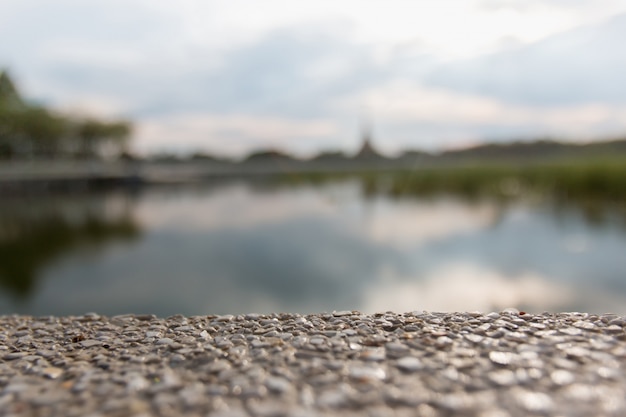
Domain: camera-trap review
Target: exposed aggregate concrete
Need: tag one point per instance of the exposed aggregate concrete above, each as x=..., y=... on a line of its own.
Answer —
x=331, y=364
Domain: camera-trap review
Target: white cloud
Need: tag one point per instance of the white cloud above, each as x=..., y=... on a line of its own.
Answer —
x=580, y=66
x=451, y=28
x=82, y=52
x=233, y=134
x=405, y=102
x=266, y=67
x=407, y=223
x=234, y=207
x=463, y=286
x=466, y=287
x=87, y=105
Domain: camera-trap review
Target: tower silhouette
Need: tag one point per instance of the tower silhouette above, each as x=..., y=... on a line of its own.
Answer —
x=367, y=150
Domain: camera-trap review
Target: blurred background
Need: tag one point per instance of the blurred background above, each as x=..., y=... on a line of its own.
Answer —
x=213, y=157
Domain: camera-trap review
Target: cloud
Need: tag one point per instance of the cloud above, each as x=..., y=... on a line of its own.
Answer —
x=233, y=134
x=580, y=66
x=461, y=286
x=63, y=51
x=410, y=111
x=546, y=267
x=322, y=62
x=466, y=287
x=403, y=224
x=230, y=208
x=292, y=72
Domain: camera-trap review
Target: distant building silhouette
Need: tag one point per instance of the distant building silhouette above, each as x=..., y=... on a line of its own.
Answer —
x=367, y=150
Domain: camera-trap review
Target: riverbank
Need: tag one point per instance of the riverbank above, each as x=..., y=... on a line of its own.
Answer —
x=581, y=179
x=59, y=170
x=341, y=363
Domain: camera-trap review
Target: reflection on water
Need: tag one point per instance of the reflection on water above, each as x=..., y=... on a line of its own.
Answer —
x=237, y=247
x=34, y=234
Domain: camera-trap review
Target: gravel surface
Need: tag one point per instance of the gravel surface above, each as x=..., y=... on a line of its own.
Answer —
x=342, y=363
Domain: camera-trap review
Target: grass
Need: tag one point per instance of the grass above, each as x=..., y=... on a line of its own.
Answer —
x=576, y=179
x=599, y=178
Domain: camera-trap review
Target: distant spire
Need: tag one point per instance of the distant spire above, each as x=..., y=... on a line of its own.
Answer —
x=366, y=129
x=367, y=148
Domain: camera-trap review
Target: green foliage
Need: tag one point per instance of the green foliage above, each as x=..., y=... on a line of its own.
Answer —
x=29, y=245
x=92, y=134
x=268, y=155
x=600, y=178
x=27, y=130
x=575, y=179
x=8, y=92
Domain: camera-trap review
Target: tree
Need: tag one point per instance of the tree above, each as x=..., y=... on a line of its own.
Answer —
x=89, y=132
x=8, y=92
x=94, y=135
x=11, y=105
x=27, y=130
x=44, y=130
x=118, y=134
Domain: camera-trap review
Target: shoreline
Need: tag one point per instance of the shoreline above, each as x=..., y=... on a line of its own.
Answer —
x=340, y=363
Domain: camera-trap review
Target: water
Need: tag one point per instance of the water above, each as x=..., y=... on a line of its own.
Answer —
x=236, y=247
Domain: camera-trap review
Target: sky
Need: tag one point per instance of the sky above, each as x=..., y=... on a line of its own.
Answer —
x=230, y=77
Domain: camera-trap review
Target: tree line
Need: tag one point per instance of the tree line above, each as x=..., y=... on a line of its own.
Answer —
x=33, y=131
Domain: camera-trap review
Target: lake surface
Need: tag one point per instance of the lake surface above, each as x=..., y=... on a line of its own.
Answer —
x=238, y=246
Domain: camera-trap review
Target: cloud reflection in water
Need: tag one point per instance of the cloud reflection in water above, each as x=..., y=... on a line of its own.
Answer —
x=244, y=247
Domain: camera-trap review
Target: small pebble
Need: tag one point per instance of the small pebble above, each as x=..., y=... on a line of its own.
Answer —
x=503, y=377
x=534, y=401
x=278, y=385
x=14, y=355
x=366, y=374
x=52, y=372
x=90, y=343
x=374, y=355
x=562, y=377
x=502, y=358
x=409, y=364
